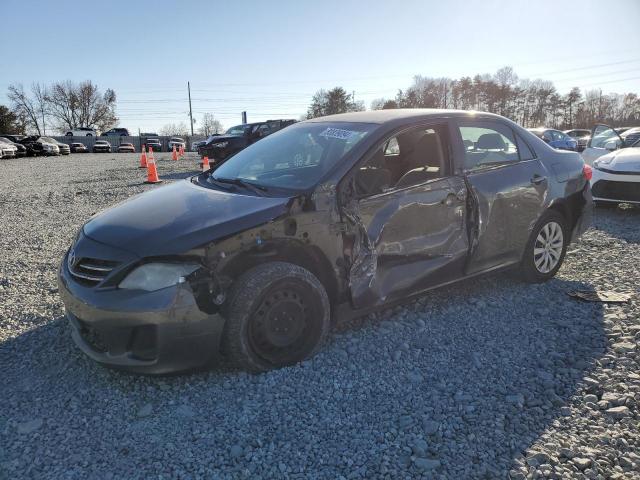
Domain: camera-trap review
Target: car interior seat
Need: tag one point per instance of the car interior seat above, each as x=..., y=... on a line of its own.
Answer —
x=425, y=162
x=374, y=176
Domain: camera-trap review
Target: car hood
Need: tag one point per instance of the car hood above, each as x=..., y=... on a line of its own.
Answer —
x=174, y=219
x=623, y=160
x=223, y=138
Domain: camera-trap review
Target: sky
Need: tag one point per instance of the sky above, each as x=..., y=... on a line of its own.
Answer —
x=268, y=58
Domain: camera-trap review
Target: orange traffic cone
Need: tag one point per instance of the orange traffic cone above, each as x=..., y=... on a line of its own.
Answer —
x=150, y=157
x=205, y=164
x=152, y=172
x=182, y=150
x=143, y=157
x=174, y=154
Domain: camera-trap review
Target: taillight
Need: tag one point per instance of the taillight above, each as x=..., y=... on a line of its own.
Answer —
x=587, y=171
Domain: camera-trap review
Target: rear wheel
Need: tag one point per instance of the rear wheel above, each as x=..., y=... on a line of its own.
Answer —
x=546, y=248
x=277, y=314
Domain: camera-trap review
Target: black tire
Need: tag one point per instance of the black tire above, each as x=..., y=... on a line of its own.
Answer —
x=277, y=314
x=529, y=272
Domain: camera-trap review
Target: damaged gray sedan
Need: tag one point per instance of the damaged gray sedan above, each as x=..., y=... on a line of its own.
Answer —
x=254, y=257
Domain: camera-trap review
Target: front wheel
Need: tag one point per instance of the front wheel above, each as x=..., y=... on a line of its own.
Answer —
x=277, y=314
x=546, y=248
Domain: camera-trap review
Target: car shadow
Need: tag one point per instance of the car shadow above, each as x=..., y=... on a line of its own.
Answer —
x=493, y=363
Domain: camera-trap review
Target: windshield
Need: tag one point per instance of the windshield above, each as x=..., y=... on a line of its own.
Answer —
x=296, y=157
x=48, y=140
x=238, y=130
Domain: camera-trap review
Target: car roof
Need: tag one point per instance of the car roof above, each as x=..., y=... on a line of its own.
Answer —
x=400, y=114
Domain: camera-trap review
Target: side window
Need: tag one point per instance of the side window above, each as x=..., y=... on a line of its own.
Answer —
x=557, y=135
x=546, y=136
x=486, y=145
x=410, y=158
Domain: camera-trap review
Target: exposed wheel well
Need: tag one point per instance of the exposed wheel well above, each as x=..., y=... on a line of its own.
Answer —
x=308, y=257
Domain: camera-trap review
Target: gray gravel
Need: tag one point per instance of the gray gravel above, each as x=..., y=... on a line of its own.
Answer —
x=486, y=379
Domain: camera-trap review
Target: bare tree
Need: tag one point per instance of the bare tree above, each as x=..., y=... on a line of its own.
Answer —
x=175, y=130
x=32, y=108
x=81, y=105
x=210, y=125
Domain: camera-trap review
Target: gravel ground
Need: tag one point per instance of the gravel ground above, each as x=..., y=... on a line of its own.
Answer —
x=485, y=379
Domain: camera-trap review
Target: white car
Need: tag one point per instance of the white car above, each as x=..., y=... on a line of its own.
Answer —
x=604, y=139
x=7, y=150
x=176, y=142
x=616, y=176
x=81, y=132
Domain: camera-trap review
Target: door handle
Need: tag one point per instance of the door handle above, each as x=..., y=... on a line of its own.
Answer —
x=538, y=179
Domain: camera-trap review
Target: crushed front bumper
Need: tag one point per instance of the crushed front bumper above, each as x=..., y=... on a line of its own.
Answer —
x=144, y=332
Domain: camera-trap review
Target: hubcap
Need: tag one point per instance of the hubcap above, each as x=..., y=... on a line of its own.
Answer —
x=548, y=247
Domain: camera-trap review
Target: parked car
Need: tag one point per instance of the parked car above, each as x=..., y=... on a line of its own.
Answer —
x=38, y=145
x=101, y=146
x=176, y=142
x=116, y=132
x=7, y=149
x=581, y=136
x=81, y=132
x=153, y=144
x=78, y=147
x=196, y=144
x=221, y=147
x=21, y=150
x=63, y=147
x=555, y=138
x=630, y=136
x=616, y=176
x=605, y=139
x=350, y=211
x=12, y=137
x=126, y=147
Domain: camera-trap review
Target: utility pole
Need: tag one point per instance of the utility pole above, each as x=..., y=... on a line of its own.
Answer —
x=190, y=111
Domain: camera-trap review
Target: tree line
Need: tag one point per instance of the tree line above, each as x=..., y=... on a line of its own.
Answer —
x=531, y=103
x=60, y=106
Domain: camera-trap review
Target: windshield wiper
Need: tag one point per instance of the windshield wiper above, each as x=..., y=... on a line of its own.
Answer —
x=258, y=189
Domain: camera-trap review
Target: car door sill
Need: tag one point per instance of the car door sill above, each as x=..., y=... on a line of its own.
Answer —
x=344, y=311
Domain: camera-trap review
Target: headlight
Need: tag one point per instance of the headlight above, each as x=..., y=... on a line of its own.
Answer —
x=154, y=276
x=601, y=162
x=220, y=144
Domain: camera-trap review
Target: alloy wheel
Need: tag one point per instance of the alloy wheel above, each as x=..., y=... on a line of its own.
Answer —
x=547, y=248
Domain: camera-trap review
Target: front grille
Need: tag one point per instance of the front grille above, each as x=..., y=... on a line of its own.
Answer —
x=623, y=191
x=91, y=271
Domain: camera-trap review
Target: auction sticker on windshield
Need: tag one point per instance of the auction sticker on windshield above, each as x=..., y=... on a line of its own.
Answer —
x=338, y=133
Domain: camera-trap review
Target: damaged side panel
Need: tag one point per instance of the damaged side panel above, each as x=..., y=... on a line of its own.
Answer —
x=405, y=241
x=300, y=236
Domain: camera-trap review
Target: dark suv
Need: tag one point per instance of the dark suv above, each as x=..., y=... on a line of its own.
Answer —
x=220, y=147
x=116, y=132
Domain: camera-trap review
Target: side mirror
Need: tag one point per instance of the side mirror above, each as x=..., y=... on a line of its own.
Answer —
x=611, y=145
